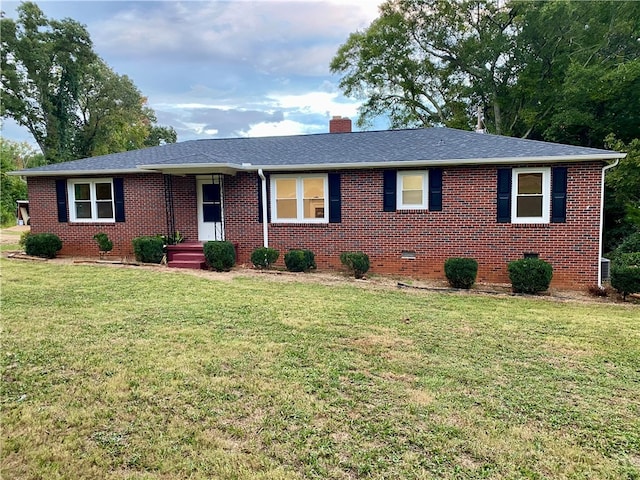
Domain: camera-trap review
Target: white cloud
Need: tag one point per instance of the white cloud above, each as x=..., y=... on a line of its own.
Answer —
x=273, y=129
x=227, y=68
x=315, y=102
x=291, y=36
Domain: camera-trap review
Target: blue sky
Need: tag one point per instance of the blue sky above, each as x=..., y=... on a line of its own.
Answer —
x=214, y=69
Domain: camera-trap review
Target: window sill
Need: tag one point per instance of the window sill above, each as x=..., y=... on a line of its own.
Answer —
x=299, y=224
x=531, y=225
x=92, y=222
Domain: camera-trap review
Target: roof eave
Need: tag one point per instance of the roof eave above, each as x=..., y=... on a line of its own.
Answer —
x=71, y=173
x=447, y=162
x=232, y=169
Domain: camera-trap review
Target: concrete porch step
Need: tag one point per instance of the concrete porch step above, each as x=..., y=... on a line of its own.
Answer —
x=192, y=264
x=186, y=255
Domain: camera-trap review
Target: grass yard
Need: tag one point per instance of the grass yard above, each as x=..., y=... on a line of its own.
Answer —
x=125, y=373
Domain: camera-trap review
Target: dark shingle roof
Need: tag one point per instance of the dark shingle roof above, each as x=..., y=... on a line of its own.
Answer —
x=357, y=149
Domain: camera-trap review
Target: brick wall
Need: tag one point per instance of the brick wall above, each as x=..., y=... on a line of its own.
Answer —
x=466, y=226
x=145, y=214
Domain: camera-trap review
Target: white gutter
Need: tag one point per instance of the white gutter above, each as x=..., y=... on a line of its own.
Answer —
x=249, y=167
x=604, y=170
x=265, y=220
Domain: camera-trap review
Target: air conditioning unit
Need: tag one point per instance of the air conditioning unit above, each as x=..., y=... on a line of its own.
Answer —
x=605, y=268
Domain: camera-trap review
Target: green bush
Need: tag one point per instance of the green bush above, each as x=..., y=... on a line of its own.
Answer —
x=23, y=238
x=631, y=244
x=356, y=262
x=45, y=245
x=625, y=273
x=220, y=255
x=264, y=257
x=299, y=260
x=530, y=275
x=148, y=249
x=104, y=244
x=461, y=272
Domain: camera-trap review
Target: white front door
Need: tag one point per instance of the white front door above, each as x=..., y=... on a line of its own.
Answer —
x=210, y=208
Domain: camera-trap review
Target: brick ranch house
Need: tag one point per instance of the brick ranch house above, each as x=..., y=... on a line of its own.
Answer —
x=408, y=198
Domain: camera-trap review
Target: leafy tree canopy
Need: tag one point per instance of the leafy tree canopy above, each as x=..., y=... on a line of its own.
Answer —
x=558, y=70
x=72, y=103
x=622, y=205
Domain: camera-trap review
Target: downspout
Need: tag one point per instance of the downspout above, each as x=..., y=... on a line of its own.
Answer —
x=265, y=220
x=604, y=171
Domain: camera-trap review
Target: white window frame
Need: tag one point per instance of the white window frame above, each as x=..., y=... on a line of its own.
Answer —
x=400, y=205
x=546, y=195
x=299, y=199
x=71, y=194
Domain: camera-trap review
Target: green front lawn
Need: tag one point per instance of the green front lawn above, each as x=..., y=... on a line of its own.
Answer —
x=133, y=373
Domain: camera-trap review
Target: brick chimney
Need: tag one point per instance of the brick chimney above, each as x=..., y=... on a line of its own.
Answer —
x=339, y=124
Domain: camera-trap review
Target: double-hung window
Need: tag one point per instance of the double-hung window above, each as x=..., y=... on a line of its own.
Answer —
x=91, y=200
x=530, y=202
x=412, y=190
x=299, y=198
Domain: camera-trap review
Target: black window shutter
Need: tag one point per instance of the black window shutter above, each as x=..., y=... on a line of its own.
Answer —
x=504, y=195
x=389, y=191
x=435, y=189
x=559, y=194
x=260, y=199
x=335, y=202
x=61, y=200
x=118, y=196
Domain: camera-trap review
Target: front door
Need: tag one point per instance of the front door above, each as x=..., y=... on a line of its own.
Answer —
x=210, y=209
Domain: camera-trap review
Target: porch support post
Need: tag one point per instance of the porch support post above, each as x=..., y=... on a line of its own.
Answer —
x=265, y=219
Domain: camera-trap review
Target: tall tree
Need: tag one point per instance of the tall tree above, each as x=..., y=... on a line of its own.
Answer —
x=43, y=62
x=426, y=62
x=73, y=104
x=114, y=116
x=556, y=70
x=580, y=76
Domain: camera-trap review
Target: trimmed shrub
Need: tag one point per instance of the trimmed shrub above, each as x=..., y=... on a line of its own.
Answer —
x=530, y=275
x=625, y=273
x=461, y=272
x=264, y=257
x=45, y=245
x=356, y=262
x=148, y=249
x=220, y=255
x=299, y=260
x=104, y=244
